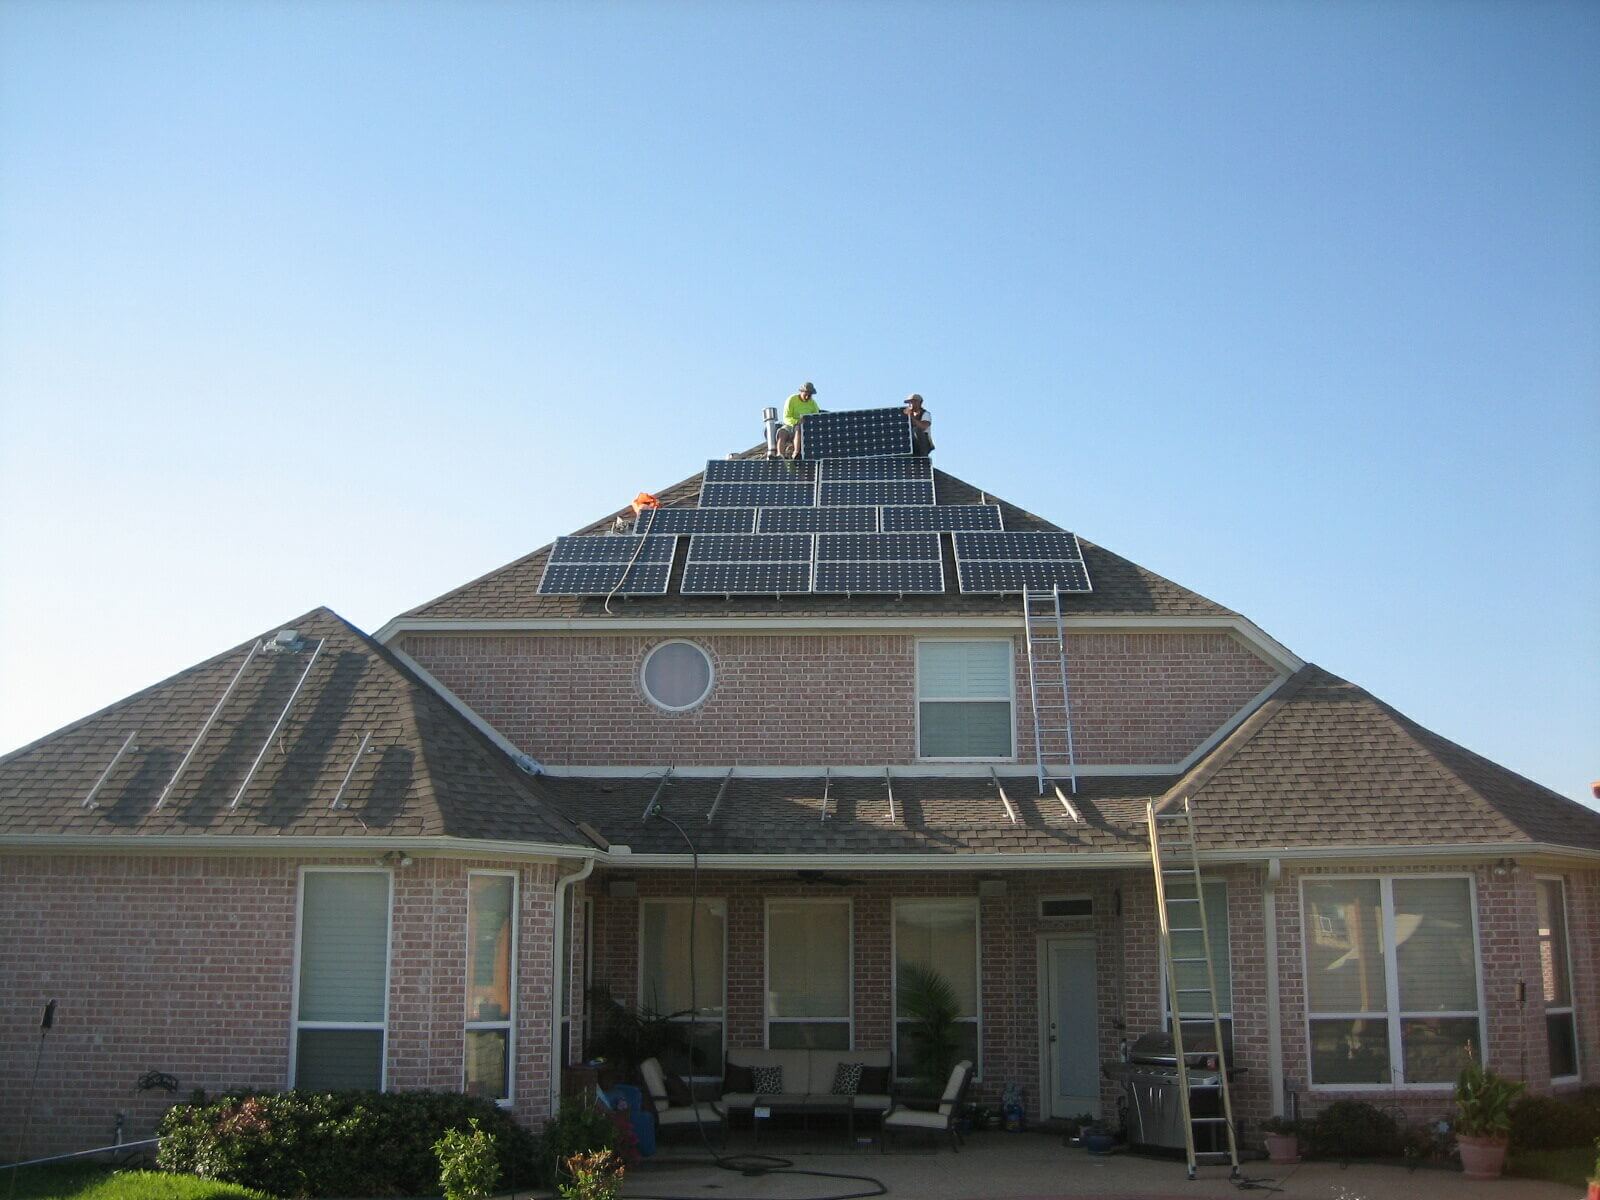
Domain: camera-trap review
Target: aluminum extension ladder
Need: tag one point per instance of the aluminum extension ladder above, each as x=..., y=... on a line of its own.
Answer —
x=1047, y=684
x=1190, y=913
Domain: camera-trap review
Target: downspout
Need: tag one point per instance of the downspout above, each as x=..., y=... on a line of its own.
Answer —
x=558, y=1010
x=1269, y=896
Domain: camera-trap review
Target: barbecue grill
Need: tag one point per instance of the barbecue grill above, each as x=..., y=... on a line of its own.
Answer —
x=1153, y=1114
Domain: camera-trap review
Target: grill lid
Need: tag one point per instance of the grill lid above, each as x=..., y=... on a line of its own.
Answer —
x=1155, y=1048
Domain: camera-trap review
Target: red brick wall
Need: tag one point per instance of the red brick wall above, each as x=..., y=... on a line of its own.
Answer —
x=184, y=965
x=1145, y=698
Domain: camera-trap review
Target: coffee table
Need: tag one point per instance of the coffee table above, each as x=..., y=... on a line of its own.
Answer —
x=825, y=1104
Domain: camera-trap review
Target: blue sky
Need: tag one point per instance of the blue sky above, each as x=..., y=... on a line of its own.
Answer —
x=349, y=303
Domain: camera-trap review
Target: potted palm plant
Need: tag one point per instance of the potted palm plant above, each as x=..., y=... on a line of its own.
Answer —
x=1483, y=1120
x=1283, y=1140
x=931, y=1009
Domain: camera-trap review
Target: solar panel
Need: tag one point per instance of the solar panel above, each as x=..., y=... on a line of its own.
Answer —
x=759, y=470
x=942, y=517
x=1000, y=575
x=1026, y=544
x=878, y=547
x=607, y=548
x=723, y=495
x=861, y=433
x=600, y=579
x=759, y=579
x=1009, y=562
x=699, y=520
x=817, y=520
x=835, y=469
x=881, y=491
x=861, y=577
x=750, y=547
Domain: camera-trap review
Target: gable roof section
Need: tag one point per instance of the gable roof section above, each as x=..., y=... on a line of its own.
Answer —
x=1325, y=762
x=1121, y=587
x=427, y=773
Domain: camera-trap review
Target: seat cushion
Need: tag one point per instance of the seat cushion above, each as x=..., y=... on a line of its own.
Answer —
x=910, y=1118
x=687, y=1116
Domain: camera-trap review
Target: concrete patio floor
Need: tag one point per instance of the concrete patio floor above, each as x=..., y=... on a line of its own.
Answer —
x=1040, y=1167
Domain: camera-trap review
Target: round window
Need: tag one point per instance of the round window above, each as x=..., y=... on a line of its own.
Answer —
x=677, y=675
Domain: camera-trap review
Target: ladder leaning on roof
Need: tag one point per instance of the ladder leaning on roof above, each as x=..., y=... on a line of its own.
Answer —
x=1047, y=685
x=1188, y=906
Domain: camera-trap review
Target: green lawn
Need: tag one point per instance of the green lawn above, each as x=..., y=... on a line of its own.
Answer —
x=1572, y=1166
x=84, y=1182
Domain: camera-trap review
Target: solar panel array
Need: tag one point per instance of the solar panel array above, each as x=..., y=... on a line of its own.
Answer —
x=860, y=433
x=599, y=566
x=856, y=514
x=998, y=563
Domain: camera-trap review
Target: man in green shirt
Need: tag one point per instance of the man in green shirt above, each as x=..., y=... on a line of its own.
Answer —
x=801, y=404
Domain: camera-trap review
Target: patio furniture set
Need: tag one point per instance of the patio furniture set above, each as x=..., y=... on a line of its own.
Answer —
x=768, y=1084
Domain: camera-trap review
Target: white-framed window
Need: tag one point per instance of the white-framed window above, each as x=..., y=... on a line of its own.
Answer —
x=1555, y=971
x=964, y=699
x=491, y=984
x=676, y=675
x=1393, y=982
x=942, y=934
x=1188, y=945
x=664, y=980
x=341, y=999
x=810, y=990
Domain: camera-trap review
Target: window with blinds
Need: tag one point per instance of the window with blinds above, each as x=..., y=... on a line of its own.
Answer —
x=964, y=693
x=943, y=935
x=808, y=974
x=664, y=981
x=491, y=983
x=1555, y=977
x=341, y=998
x=1392, y=980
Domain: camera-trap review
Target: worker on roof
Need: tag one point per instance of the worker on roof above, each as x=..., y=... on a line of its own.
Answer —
x=801, y=404
x=921, y=423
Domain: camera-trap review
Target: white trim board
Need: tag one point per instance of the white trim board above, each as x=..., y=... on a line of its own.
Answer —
x=1252, y=634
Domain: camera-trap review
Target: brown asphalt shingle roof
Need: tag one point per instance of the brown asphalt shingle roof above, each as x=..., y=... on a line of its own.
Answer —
x=1120, y=587
x=1322, y=764
x=427, y=771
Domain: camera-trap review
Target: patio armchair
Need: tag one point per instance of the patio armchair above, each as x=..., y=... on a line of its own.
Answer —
x=943, y=1120
x=702, y=1112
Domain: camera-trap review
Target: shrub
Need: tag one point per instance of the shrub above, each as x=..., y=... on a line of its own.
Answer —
x=1351, y=1129
x=1555, y=1122
x=581, y=1127
x=468, y=1165
x=596, y=1176
x=309, y=1144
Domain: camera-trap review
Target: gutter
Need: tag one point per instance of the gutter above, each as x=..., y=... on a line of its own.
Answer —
x=1269, y=915
x=558, y=1010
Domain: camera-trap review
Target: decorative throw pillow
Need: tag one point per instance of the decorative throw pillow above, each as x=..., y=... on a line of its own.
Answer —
x=737, y=1079
x=874, y=1081
x=677, y=1090
x=847, y=1078
x=768, y=1081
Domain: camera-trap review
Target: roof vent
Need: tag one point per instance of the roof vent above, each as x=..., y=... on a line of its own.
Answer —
x=286, y=639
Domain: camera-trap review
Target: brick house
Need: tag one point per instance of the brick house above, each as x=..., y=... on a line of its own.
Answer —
x=413, y=877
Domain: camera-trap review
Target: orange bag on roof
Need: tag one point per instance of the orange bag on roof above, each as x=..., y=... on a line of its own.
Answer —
x=643, y=501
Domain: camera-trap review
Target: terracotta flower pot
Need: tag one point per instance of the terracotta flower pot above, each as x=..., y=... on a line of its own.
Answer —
x=1481, y=1157
x=1594, y=1189
x=1283, y=1148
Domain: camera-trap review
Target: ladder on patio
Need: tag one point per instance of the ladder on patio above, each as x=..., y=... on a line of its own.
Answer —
x=1047, y=686
x=1175, y=863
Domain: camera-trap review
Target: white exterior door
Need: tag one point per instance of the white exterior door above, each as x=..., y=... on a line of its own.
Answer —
x=1071, y=1027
